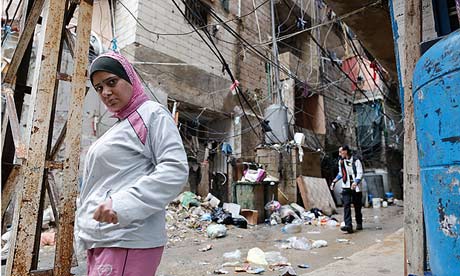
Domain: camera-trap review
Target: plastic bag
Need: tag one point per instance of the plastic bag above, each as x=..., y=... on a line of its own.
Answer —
x=275, y=218
x=292, y=228
x=221, y=217
x=273, y=206
x=299, y=243
x=240, y=222
x=297, y=208
x=216, y=231
x=319, y=244
x=287, y=214
x=256, y=256
x=188, y=199
x=332, y=223
x=234, y=255
x=274, y=257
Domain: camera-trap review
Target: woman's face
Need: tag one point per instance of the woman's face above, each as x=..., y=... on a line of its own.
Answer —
x=114, y=91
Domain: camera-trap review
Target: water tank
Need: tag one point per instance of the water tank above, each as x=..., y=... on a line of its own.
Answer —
x=436, y=88
x=277, y=116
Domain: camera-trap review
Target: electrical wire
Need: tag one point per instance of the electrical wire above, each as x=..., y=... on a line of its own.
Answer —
x=12, y=20
x=355, y=50
x=361, y=9
x=195, y=29
x=219, y=56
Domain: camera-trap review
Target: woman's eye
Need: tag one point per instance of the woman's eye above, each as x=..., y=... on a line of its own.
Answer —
x=112, y=83
x=99, y=89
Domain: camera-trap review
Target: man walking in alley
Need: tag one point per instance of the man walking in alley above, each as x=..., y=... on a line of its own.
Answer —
x=351, y=173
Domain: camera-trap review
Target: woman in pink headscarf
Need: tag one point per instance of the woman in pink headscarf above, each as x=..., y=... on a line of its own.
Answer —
x=131, y=173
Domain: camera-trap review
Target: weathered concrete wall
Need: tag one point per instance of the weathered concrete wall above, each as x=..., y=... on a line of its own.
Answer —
x=125, y=24
x=338, y=103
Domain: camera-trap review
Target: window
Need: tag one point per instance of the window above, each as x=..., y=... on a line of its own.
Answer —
x=197, y=12
x=309, y=112
x=225, y=5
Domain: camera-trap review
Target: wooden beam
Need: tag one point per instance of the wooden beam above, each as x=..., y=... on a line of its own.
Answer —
x=24, y=226
x=413, y=212
x=65, y=227
x=24, y=40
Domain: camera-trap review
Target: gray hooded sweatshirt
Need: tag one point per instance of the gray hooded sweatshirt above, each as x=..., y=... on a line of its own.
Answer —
x=141, y=164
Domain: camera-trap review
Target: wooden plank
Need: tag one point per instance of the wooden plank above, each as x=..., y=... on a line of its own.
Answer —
x=413, y=212
x=315, y=193
x=24, y=228
x=68, y=194
x=24, y=40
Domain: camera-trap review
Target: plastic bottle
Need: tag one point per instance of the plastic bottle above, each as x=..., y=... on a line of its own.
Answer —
x=378, y=226
x=292, y=228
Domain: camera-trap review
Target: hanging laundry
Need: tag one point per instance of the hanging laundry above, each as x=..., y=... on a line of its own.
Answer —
x=227, y=149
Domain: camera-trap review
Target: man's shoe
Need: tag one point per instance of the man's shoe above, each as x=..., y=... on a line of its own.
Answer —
x=359, y=227
x=347, y=229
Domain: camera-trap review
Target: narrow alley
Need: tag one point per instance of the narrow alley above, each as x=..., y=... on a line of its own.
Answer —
x=230, y=137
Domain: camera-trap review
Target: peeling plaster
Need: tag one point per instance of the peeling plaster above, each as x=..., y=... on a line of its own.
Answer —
x=447, y=223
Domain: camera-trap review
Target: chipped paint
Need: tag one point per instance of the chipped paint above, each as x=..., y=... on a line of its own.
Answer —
x=453, y=139
x=421, y=96
x=453, y=169
x=455, y=182
x=447, y=223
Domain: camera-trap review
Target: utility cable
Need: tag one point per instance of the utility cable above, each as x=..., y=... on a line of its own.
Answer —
x=195, y=29
x=220, y=58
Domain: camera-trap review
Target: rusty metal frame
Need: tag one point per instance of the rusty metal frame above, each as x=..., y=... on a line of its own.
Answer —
x=28, y=200
x=24, y=40
x=14, y=123
x=64, y=244
x=9, y=189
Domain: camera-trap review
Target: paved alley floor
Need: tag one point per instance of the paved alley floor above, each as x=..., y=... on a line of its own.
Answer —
x=377, y=240
x=381, y=259
x=377, y=250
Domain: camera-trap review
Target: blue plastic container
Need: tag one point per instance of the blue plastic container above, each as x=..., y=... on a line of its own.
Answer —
x=437, y=121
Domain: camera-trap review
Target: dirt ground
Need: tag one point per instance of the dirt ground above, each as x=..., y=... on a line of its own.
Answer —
x=184, y=257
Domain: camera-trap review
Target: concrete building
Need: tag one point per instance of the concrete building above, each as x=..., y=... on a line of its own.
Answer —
x=178, y=66
x=179, y=70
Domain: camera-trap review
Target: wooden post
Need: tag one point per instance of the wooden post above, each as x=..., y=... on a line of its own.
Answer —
x=413, y=212
x=65, y=227
x=25, y=222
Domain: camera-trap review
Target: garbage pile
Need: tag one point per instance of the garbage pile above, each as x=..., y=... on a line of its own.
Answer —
x=191, y=213
x=294, y=215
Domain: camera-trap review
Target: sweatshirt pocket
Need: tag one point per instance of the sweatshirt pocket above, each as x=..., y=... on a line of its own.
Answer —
x=100, y=225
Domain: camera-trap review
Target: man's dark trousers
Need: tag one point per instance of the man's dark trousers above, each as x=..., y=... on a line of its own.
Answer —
x=351, y=196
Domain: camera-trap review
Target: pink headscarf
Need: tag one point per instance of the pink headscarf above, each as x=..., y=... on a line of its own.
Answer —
x=139, y=97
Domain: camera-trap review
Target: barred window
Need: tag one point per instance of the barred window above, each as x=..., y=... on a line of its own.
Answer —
x=197, y=12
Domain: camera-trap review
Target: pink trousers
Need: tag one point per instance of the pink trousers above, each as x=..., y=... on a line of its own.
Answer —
x=123, y=261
